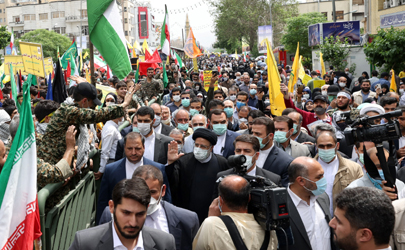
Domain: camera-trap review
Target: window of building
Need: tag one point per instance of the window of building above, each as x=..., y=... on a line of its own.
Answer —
x=57, y=14
x=339, y=15
x=126, y=33
x=43, y=16
x=83, y=13
x=85, y=30
x=16, y=19
x=1, y=10
x=28, y=17
x=60, y=30
x=1, y=20
x=126, y=20
x=125, y=9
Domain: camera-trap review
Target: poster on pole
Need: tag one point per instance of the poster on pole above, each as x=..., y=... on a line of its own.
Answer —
x=16, y=61
x=263, y=33
x=314, y=35
x=33, y=58
x=48, y=65
x=207, y=74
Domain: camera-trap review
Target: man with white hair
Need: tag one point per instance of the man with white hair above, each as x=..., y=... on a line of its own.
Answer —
x=4, y=126
x=198, y=121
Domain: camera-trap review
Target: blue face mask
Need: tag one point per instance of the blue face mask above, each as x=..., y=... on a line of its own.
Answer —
x=295, y=129
x=194, y=112
x=197, y=127
x=240, y=104
x=320, y=186
x=253, y=92
x=219, y=129
x=261, y=141
x=280, y=136
x=327, y=155
x=361, y=158
x=377, y=183
x=185, y=102
x=229, y=112
x=182, y=126
x=135, y=129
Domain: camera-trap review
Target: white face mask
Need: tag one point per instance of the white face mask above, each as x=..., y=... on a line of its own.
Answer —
x=144, y=128
x=109, y=104
x=201, y=154
x=176, y=98
x=154, y=204
x=232, y=97
x=167, y=121
x=401, y=91
x=248, y=162
x=121, y=121
x=157, y=121
x=306, y=96
x=342, y=84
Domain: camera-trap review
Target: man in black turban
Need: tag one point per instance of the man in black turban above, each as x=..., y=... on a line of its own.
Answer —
x=192, y=176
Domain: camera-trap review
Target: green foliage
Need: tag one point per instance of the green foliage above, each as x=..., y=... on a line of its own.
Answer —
x=238, y=20
x=4, y=37
x=387, y=49
x=335, y=52
x=50, y=41
x=296, y=30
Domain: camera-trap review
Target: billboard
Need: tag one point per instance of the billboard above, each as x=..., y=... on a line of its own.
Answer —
x=33, y=59
x=349, y=30
x=264, y=32
x=314, y=35
x=143, y=22
x=394, y=19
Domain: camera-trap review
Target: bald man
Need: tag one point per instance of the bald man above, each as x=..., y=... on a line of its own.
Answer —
x=309, y=205
x=158, y=126
x=234, y=196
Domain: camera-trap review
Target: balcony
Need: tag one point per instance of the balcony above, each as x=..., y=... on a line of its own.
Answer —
x=72, y=19
x=17, y=24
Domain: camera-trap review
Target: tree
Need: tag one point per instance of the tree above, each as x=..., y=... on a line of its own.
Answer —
x=238, y=20
x=335, y=52
x=386, y=50
x=50, y=41
x=296, y=31
x=4, y=37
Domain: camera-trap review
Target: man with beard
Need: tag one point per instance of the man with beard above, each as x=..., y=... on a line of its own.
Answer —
x=343, y=102
x=364, y=219
x=129, y=204
x=320, y=103
x=365, y=92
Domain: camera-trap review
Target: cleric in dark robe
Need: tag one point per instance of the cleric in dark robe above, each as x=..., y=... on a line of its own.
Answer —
x=192, y=176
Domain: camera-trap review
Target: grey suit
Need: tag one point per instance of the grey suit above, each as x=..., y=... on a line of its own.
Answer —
x=166, y=129
x=101, y=238
x=161, y=142
x=298, y=149
x=302, y=137
x=301, y=240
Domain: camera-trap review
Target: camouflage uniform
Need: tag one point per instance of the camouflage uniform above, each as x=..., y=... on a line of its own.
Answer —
x=53, y=144
x=48, y=173
x=170, y=77
x=148, y=90
x=354, y=112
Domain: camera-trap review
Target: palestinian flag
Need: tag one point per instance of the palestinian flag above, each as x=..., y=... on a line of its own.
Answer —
x=19, y=214
x=165, y=45
x=107, y=35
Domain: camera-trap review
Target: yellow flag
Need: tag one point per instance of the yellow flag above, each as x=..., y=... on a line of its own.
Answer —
x=86, y=54
x=236, y=54
x=145, y=46
x=129, y=45
x=294, y=72
x=88, y=78
x=195, y=64
x=137, y=46
x=301, y=71
x=322, y=65
x=275, y=95
x=393, y=86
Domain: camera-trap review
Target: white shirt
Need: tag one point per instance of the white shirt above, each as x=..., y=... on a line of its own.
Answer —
x=130, y=167
x=314, y=221
x=109, y=137
x=330, y=171
x=263, y=156
x=150, y=146
x=218, y=148
x=158, y=129
x=158, y=220
x=118, y=244
x=401, y=141
x=252, y=172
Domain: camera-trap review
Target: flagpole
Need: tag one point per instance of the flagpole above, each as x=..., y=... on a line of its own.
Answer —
x=92, y=64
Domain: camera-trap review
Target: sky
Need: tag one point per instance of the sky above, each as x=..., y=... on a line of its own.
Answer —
x=200, y=19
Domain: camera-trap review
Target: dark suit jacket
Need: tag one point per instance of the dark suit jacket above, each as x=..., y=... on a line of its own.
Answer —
x=183, y=224
x=166, y=129
x=277, y=162
x=301, y=240
x=229, y=149
x=101, y=238
x=114, y=173
x=161, y=142
x=305, y=138
x=126, y=131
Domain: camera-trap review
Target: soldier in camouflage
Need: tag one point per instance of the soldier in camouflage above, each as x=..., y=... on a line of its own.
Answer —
x=150, y=87
x=76, y=111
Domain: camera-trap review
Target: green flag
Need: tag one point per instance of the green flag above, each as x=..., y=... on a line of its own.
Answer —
x=71, y=51
x=14, y=87
x=72, y=65
x=137, y=75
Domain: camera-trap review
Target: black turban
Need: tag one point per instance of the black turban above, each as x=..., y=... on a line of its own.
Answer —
x=206, y=134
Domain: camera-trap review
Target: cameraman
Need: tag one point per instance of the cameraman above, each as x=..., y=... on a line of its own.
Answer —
x=234, y=196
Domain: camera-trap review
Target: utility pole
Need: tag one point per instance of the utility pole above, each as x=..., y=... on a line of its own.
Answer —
x=93, y=79
x=81, y=27
x=334, y=11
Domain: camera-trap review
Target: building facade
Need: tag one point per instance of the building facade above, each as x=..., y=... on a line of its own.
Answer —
x=386, y=13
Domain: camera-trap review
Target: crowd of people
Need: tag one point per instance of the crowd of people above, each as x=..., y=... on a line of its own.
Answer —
x=163, y=150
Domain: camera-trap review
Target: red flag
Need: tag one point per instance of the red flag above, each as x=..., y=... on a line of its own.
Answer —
x=109, y=73
x=147, y=55
x=1, y=95
x=155, y=58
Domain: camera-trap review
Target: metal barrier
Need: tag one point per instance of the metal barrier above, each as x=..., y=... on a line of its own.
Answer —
x=76, y=211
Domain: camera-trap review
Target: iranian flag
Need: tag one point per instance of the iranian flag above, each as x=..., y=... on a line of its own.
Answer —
x=107, y=35
x=99, y=63
x=165, y=45
x=244, y=56
x=177, y=59
x=19, y=214
x=12, y=40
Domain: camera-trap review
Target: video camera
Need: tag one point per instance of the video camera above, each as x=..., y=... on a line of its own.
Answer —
x=268, y=202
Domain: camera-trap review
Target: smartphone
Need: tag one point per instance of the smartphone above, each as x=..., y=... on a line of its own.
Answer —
x=300, y=88
x=378, y=86
x=259, y=89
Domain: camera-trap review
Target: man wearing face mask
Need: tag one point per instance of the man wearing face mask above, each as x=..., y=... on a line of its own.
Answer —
x=192, y=176
x=238, y=78
x=43, y=111
x=181, y=121
x=253, y=100
x=320, y=103
x=282, y=136
x=232, y=95
x=166, y=116
x=181, y=223
x=309, y=206
x=245, y=83
x=156, y=144
x=343, y=83
x=297, y=134
x=339, y=172
x=367, y=181
x=197, y=122
x=79, y=110
x=229, y=108
x=219, y=125
x=175, y=99
x=158, y=126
